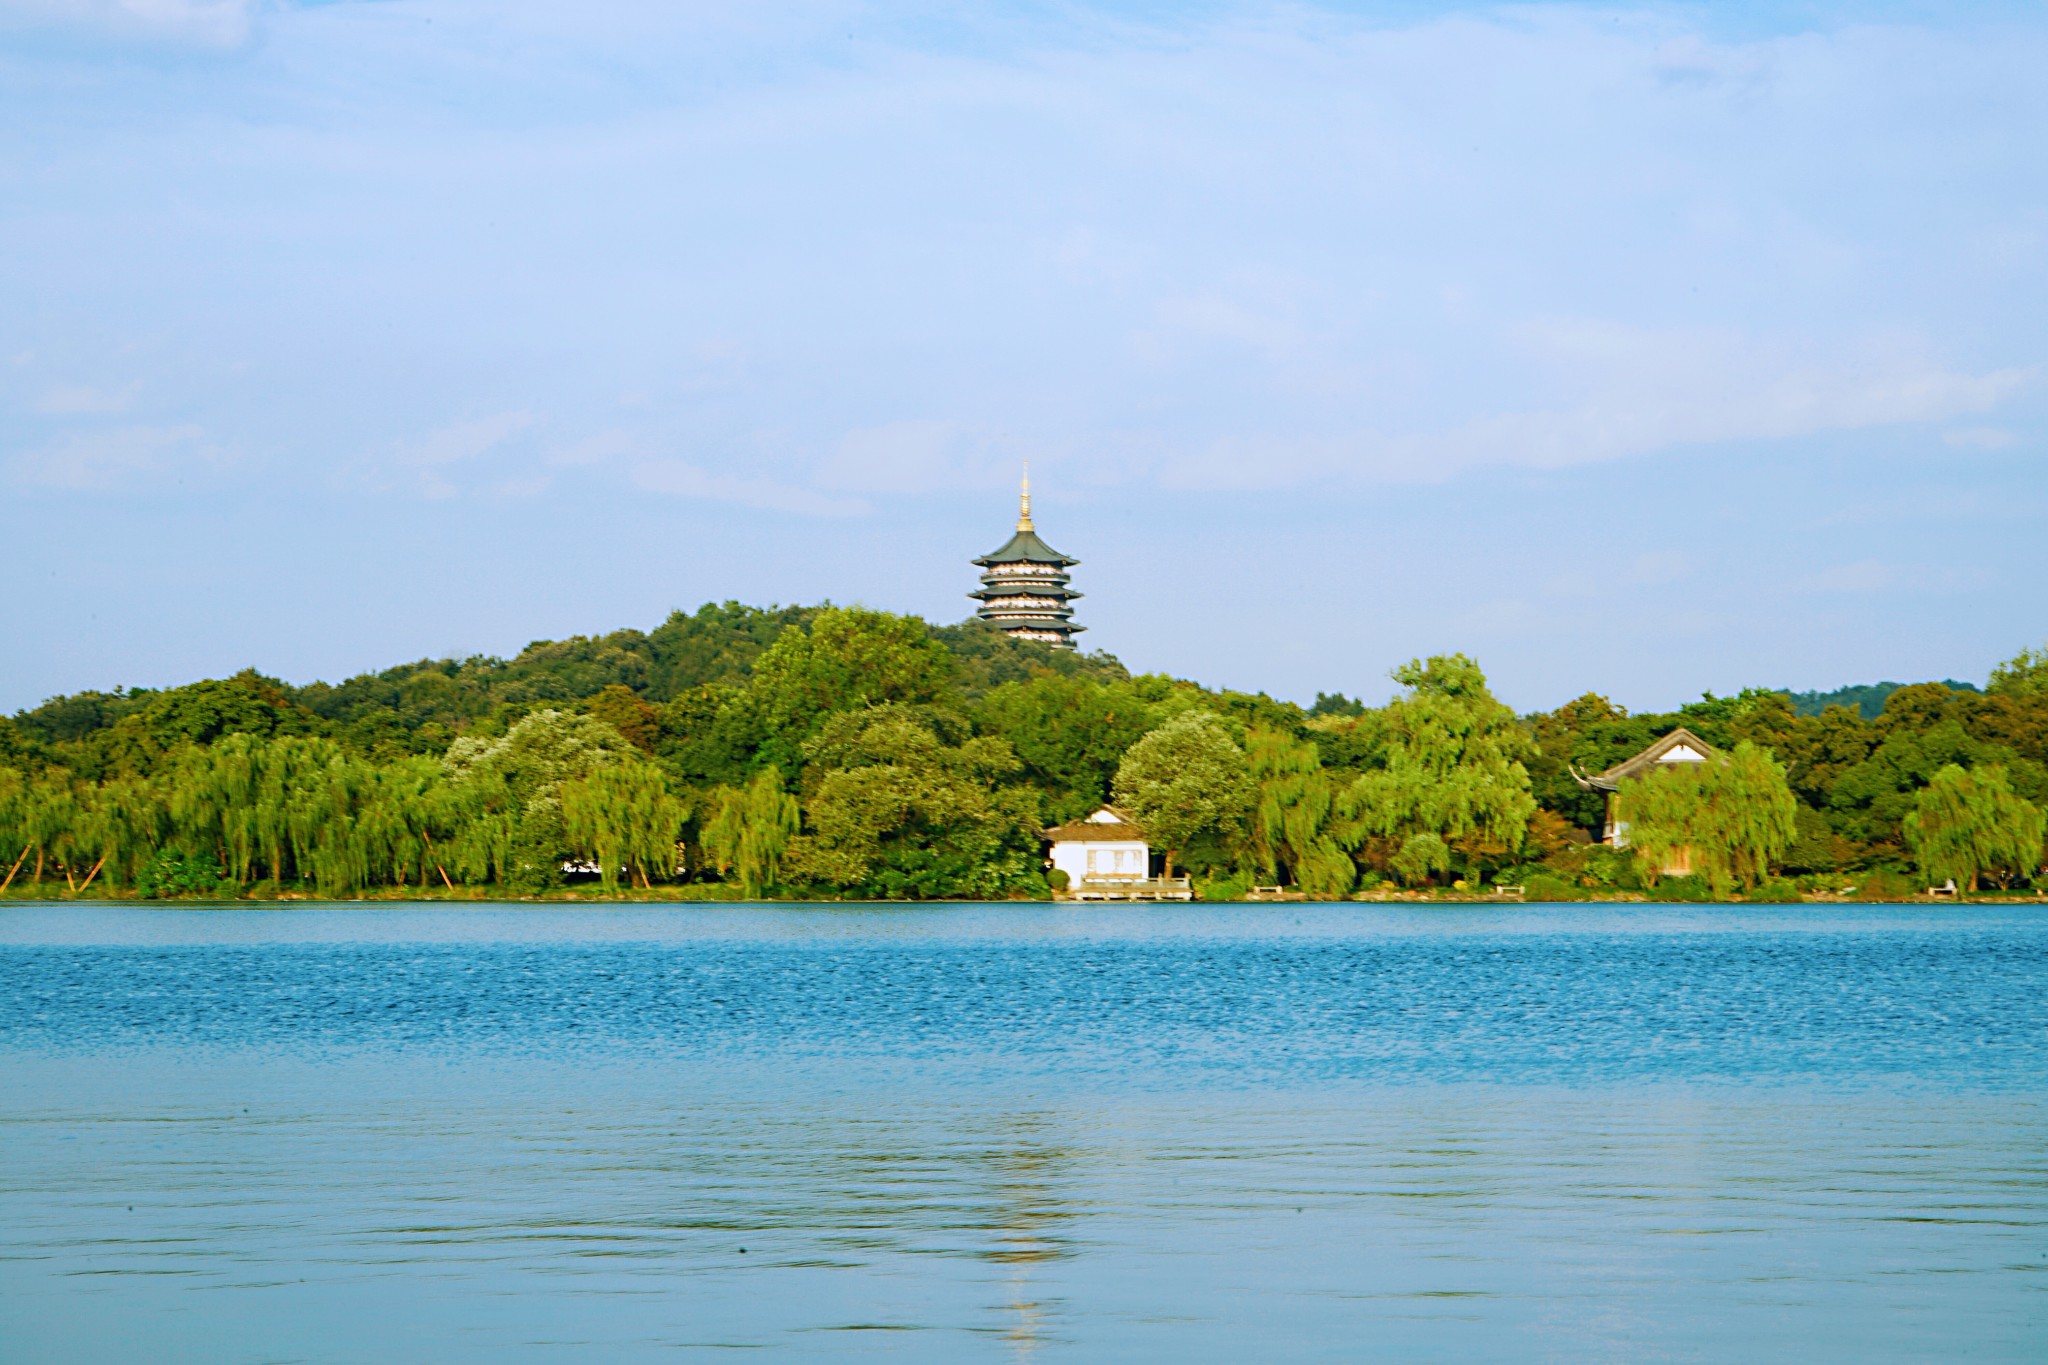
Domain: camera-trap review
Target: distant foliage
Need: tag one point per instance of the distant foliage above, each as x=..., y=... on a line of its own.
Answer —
x=824, y=750
x=2025, y=675
x=1866, y=701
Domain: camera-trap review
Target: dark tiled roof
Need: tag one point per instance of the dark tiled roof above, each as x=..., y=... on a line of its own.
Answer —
x=1017, y=589
x=1089, y=832
x=1024, y=547
x=1646, y=760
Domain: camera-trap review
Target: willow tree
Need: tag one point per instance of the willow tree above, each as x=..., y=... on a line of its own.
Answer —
x=1450, y=762
x=408, y=819
x=1731, y=820
x=15, y=843
x=129, y=818
x=49, y=809
x=1968, y=824
x=510, y=791
x=243, y=799
x=625, y=817
x=1186, y=779
x=749, y=830
x=1294, y=816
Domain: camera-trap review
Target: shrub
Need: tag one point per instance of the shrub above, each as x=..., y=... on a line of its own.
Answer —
x=1230, y=888
x=1880, y=884
x=1776, y=891
x=1613, y=867
x=178, y=872
x=1687, y=890
x=1546, y=888
x=1057, y=878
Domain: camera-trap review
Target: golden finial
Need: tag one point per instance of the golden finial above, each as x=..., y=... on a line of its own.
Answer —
x=1024, y=516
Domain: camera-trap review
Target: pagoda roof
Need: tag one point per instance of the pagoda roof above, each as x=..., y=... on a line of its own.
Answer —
x=1695, y=750
x=1024, y=590
x=1044, y=623
x=1024, y=547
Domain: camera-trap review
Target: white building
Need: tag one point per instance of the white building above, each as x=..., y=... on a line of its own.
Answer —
x=1104, y=848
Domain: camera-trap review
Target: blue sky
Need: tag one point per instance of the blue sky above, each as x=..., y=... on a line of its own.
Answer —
x=1640, y=349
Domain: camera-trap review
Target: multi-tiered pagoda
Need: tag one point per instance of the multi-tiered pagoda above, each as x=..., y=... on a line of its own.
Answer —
x=1024, y=588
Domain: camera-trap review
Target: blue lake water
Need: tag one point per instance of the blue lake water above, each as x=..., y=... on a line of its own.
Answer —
x=1021, y=1133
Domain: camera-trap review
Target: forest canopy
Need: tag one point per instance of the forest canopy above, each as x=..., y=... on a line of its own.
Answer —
x=839, y=751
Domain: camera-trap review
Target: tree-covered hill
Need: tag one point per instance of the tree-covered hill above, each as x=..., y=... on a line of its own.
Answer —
x=1866, y=700
x=839, y=751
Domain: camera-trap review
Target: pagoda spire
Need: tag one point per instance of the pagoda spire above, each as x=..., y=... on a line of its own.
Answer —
x=1024, y=502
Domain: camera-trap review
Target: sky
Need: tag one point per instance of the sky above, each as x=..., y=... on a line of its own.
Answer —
x=1645, y=350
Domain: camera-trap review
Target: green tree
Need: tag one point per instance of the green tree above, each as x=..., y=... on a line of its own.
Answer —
x=1294, y=818
x=1451, y=762
x=1186, y=779
x=849, y=657
x=749, y=831
x=2023, y=675
x=1967, y=824
x=624, y=816
x=1071, y=732
x=902, y=807
x=618, y=707
x=511, y=792
x=1420, y=857
x=1733, y=820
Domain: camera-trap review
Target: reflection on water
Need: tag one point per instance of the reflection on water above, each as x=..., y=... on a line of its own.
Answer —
x=520, y=1149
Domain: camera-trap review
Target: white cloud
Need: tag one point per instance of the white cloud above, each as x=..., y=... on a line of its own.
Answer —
x=199, y=23
x=919, y=456
x=1651, y=390
x=1980, y=438
x=1639, y=391
x=598, y=448
x=75, y=400
x=459, y=441
x=1865, y=575
x=113, y=460
x=680, y=477
x=1659, y=567
x=431, y=456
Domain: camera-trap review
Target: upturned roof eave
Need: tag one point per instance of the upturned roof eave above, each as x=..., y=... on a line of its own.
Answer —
x=1024, y=548
x=1642, y=762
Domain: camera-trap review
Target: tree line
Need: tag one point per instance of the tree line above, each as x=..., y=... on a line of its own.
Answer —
x=836, y=751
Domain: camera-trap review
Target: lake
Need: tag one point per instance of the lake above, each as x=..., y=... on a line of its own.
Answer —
x=1278, y=1132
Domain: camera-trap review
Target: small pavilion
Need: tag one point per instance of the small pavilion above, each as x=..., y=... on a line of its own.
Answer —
x=1107, y=857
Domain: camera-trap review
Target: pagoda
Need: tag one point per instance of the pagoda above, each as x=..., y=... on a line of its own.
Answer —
x=1024, y=588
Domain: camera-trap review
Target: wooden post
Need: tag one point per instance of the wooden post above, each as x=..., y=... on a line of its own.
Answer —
x=16, y=868
x=437, y=864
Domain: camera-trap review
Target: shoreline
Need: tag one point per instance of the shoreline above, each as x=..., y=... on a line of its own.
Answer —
x=491, y=897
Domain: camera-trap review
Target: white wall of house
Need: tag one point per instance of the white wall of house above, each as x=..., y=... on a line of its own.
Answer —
x=1089, y=860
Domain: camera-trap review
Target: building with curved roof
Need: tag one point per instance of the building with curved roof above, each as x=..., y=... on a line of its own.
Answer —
x=1025, y=588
